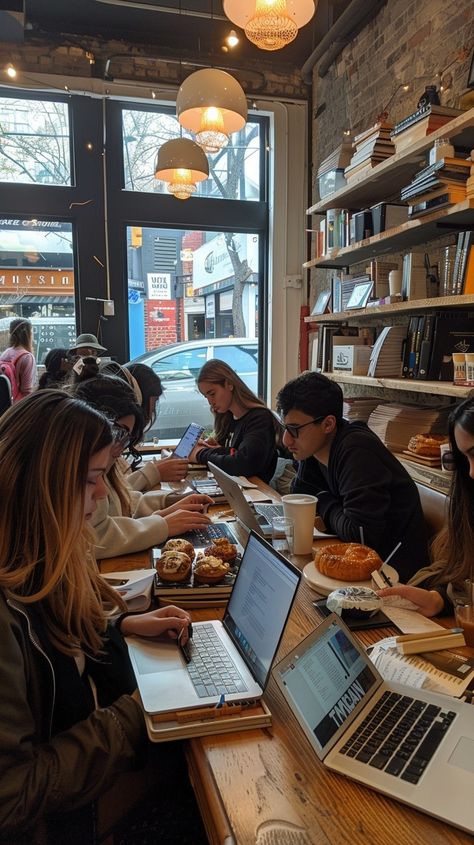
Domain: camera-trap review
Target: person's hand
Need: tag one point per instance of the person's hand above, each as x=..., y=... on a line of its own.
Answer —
x=192, y=457
x=194, y=502
x=172, y=469
x=169, y=620
x=181, y=521
x=428, y=602
x=209, y=441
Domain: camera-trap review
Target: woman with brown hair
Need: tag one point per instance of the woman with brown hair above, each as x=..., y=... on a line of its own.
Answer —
x=20, y=359
x=246, y=433
x=70, y=719
x=437, y=587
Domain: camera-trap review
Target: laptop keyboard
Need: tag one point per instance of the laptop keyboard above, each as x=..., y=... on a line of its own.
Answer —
x=211, y=668
x=206, y=536
x=399, y=736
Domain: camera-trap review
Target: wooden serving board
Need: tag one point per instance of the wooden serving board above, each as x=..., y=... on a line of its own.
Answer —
x=422, y=459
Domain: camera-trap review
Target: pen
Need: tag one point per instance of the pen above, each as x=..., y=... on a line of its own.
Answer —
x=428, y=635
x=385, y=578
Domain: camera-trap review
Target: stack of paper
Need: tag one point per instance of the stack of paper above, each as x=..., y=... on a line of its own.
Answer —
x=386, y=355
x=359, y=408
x=396, y=424
x=134, y=586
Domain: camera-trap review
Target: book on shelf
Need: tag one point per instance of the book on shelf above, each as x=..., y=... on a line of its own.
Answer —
x=409, y=349
x=468, y=278
x=379, y=270
x=431, y=110
x=432, y=183
x=453, y=332
x=425, y=348
x=413, y=276
x=395, y=422
x=448, y=163
x=466, y=244
x=386, y=356
x=440, y=198
x=339, y=158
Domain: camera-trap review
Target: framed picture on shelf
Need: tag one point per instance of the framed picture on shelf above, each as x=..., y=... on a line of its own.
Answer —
x=322, y=303
x=360, y=295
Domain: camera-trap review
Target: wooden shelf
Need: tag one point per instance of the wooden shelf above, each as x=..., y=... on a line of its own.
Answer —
x=412, y=305
x=417, y=231
x=386, y=178
x=438, y=388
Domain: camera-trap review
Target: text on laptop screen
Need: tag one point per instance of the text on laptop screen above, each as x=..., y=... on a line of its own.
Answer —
x=327, y=682
x=259, y=605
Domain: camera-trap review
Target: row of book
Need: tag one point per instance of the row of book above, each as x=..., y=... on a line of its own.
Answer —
x=462, y=274
x=431, y=341
x=438, y=185
x=370, y=148
x=395, y=423
x=421, y=123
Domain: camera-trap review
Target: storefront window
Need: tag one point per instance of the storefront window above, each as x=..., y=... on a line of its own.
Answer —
x=34, y=142
x=234, y=171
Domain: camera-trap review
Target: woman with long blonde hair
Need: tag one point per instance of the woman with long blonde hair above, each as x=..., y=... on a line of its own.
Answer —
x=70, y=719
x=246, y=433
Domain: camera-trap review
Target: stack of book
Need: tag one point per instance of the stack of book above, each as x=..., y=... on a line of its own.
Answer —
x=395, y=423
x=359, y=408
x=371, y=147
x=440, y=184
x=331, y=171
x=386, y=355
x=421, y=123
x=431, y=341
x=462, y=280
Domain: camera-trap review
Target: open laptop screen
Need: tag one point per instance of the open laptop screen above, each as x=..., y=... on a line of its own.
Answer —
x=326, y=680
x=259, y=605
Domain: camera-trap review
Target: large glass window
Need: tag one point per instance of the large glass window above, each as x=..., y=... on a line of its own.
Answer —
x=34, y=142
x=234, y=172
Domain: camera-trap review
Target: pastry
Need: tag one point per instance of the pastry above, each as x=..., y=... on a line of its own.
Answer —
x=427, y=444
x=347, y=561
x=222, y=549
x=173, y=566
x=179, y=545
x=358, y=602
x=209, y=569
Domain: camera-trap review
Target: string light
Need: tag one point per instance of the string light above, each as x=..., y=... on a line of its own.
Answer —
x=11, y=71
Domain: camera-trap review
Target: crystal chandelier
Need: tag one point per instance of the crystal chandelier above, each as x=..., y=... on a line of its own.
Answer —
x=181, y=163
x=270, y=24
x=211, y=104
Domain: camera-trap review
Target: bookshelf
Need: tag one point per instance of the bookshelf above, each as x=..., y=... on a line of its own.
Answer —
x=394, y=309
x=385, y=179
x=413, y=232
x=436, y=388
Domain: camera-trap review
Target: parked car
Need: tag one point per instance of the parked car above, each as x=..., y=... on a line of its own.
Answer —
x=178, y=365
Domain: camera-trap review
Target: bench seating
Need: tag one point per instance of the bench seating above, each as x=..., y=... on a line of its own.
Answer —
x=435, y=505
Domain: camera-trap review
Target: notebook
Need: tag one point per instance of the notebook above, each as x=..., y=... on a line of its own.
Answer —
x=410, y=744
x=253, y=517
x=243, y=645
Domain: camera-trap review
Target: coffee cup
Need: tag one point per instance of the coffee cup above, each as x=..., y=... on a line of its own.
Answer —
x=301, y=508
x=464, y=615
x=395, y=282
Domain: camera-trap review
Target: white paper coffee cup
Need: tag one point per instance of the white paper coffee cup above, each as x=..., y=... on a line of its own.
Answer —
x=301, y=508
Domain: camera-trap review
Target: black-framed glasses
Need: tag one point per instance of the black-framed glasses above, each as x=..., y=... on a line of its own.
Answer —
x=294, y=430
x=121, y=435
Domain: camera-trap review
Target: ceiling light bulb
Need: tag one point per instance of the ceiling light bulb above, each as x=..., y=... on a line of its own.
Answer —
x=271, y=27
x=182, y=185
x=181, y=163
x=211, y=136
x=11, y=71
x=232, y=39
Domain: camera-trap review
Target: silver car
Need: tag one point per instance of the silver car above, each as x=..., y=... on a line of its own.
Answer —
x=178, y=365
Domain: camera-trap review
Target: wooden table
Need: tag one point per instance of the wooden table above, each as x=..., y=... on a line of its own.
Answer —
x=267, y=787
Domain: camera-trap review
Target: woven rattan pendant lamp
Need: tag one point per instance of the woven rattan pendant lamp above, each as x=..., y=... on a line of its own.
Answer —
x=270, y=24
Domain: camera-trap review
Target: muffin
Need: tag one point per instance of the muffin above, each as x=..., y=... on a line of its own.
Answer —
x=209, y=569
x=356, y=602
x=174, y=566
x=179, y=545
x=222, y=549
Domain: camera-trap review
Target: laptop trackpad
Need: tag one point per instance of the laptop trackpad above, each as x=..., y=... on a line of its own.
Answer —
x=148, y=664
x=463, y=754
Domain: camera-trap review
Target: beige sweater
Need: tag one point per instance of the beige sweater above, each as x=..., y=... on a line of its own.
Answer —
x=118, y=535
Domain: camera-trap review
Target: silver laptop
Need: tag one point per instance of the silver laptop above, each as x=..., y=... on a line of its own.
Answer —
x=253, y=517
x=411, y=744
x=229, y=660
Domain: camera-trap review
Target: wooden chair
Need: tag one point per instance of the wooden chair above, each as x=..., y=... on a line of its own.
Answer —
x=434, y=505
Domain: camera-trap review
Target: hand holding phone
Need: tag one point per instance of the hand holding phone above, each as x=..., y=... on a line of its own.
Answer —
x=188, y=441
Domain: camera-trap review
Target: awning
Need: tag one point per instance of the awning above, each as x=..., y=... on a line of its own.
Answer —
x=6, y=299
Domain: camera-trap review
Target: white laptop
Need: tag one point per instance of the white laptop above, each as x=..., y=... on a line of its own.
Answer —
x=242, y=646
x=253, y=517
x=413, y=745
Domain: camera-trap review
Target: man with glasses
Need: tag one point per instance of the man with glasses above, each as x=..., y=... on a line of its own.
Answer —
x=364, y=493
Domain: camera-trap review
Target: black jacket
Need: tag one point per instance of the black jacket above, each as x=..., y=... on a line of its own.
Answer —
x=365, y=486
x=251, y=448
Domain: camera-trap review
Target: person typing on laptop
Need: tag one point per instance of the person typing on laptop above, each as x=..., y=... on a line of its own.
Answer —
x=70, y=721
x=364, y=494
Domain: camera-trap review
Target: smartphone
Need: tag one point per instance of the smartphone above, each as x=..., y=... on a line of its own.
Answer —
x=188, y=441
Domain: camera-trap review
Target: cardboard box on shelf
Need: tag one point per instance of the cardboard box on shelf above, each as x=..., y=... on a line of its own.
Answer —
x=353, y=359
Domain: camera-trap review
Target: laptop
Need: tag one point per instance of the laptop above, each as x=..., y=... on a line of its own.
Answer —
x=411, y=744
x=241, y=648
x=253, y=517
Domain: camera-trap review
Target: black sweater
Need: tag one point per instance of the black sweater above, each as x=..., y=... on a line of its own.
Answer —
x=250, y=449
x=365, y=486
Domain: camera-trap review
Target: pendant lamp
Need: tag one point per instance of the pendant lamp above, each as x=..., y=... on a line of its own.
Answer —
x=212, y=105
x=181, y=163
x=270, y=24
